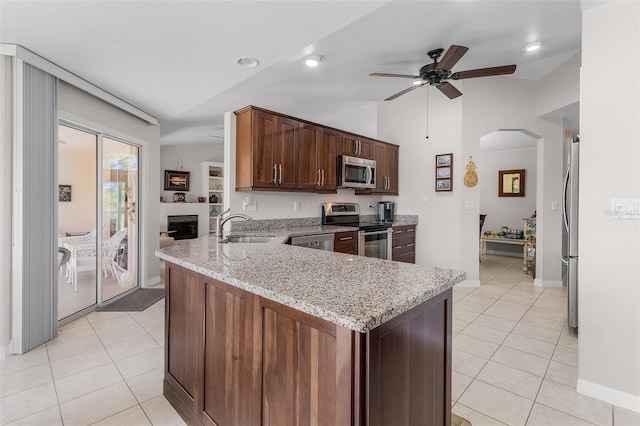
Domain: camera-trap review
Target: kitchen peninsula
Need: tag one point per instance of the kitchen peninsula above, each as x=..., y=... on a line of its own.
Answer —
x=272, y=334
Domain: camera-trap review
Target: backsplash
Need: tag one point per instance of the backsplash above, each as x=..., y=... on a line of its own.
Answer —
x=269, y=224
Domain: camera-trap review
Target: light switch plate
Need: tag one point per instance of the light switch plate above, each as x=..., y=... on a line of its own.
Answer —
x=625, y=208
x=470, y=205
x=249, y=206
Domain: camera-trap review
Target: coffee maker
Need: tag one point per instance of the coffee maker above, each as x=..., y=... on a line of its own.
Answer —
x=386, y=211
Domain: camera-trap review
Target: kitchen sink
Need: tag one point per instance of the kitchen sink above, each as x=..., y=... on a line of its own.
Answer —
x=247, y=239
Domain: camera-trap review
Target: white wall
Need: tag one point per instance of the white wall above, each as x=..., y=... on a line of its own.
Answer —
x=561, y=87
x=506, y=211
x=192, y=155
x=85, y=109
x=609, y=268
x=279, y=205
x=78, y=169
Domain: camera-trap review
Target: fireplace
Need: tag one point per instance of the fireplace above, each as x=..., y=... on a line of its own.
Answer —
x=185, y=226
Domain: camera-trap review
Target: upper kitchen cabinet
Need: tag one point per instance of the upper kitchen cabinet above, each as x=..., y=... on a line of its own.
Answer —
x=266, y=149
x=386, y=157
x=355, y=146
x=317, y=158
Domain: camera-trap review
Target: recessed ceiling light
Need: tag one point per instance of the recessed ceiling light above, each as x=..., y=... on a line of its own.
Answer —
x=248, y=62
x=313, y=61
x=532, y=47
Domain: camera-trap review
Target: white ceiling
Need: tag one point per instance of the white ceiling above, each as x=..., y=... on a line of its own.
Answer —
x=176, y=59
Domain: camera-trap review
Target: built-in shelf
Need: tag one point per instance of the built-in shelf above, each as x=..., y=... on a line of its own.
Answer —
x=213, y=186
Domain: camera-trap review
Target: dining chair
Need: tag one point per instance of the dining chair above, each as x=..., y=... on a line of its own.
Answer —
x=83, y=258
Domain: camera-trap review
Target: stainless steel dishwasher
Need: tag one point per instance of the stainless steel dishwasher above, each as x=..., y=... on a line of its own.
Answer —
x=320, y=241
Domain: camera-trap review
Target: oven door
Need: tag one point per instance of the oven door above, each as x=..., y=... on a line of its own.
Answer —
x=375, y=244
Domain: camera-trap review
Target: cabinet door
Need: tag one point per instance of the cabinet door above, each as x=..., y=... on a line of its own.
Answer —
x=285, y=153
x=228, y=354
x=347, y=144
x=327, y=160
x=309, y=175
x=346, y=242
x=391, y=169
x=379, y=155
x=264, y=143
x=184, y=328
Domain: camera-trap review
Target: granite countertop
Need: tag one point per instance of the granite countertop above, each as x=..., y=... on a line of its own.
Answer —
x=356, y=292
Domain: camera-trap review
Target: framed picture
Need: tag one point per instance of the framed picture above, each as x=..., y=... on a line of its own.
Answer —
x=175, y=180
x=64, y=193
x=443, y=184
x=444, y=160
x=444, y=172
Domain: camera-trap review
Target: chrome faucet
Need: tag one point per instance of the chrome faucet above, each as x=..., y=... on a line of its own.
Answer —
x=222, y=220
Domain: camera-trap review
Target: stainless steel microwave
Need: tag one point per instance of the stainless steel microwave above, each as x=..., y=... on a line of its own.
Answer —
x=354, y=172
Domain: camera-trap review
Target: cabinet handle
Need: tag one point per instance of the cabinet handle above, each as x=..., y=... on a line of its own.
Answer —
x=410, y=244
x=397, y=247
x=322, y=178
x=359, y=147
x=346, y=238
x=280, y=170
x=275, y=174
x=318, y=177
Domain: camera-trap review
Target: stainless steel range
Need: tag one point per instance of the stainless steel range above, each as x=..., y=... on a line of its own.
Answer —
x=374, y=239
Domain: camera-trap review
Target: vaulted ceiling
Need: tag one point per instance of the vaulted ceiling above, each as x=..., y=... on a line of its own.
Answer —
x=177, y=59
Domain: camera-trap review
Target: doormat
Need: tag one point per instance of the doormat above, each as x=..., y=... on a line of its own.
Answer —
x=139, y=300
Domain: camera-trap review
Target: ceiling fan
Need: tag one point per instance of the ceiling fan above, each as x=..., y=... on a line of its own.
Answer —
x=437, y=73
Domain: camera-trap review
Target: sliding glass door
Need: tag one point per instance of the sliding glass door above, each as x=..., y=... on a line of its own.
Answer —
x=98, y=184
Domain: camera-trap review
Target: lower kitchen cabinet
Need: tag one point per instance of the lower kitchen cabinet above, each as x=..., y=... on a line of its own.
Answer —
x=235, y=358
x=346, y=242
x=403, y=244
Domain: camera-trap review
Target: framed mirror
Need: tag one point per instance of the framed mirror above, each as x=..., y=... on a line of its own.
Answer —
x=511, y=183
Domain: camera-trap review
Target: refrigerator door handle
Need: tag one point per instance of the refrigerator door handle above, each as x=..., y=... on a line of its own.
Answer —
x=565, y=260
x=564, y=201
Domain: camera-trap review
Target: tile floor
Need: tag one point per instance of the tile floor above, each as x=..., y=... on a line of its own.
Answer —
x=514, y=363
x=514, y=359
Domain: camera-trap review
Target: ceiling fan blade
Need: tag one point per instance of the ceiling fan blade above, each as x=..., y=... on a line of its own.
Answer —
x=451, y=57
x=484, y=72
x=397, y=95
x=382, y=74
x=450, y=91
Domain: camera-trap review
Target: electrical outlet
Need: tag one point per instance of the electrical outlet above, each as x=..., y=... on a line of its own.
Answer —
x=249, y=206
x=296, y=206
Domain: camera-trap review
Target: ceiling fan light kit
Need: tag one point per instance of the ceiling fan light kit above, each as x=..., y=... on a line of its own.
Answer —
x=437, y=73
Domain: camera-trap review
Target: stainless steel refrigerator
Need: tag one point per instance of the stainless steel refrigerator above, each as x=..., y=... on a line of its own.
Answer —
x=570, y=227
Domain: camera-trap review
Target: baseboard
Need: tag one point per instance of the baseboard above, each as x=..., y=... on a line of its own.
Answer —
x=505, y=253
x=469, y=283
x=546, y=283
x=153, y=281
x=612, y=396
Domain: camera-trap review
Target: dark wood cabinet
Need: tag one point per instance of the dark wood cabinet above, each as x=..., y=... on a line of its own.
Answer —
x=355, y=146
x=266, y=147
x=386, y=156
x=235, y=358
x=346, y=242
x=403, y=242
x=317, y=159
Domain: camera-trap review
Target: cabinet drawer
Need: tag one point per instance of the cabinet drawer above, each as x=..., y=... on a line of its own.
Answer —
x=399, y=250
x=404, y=235
x=346, y=242
x=407, y=257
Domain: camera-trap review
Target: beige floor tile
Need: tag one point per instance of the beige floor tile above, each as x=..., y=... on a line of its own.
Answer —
x=532, y=346
x=48, y=417
x=552, y=303
x=160, y=412
x=474, y=303
x=466, y=363
x=559, y=292
x=526, y=301
x=72, y=387
x=552, y=314
x=97, y=405
x=159, y=337
x=566, y=356
x=153, y=326
x=143, y=362
x=485, y=333
x=510, y=379
x=567, y=400
x=496, y=403
x=537, y=332
x=131, y=346
x=113, y=324
x=541, y=415
x=147, y=385
x=133, y=416
x=568, y=341
x=78, y=363
x=562, y=373
x=25, y=379
x=492, y=291
x=459, y=325
x=476, y=418
x=67, y=334
x=110, y=337
x=14, y=363
x=459, y=383
x=464, y=314
x=471, y=345
x=507, y=310
x=541, y=321
x=624, y=417
x=152, y=313
x=75, y=323
x=28, y=402
x=95, y=317
x=495, y=322
x=521, y=360
x=73, y=347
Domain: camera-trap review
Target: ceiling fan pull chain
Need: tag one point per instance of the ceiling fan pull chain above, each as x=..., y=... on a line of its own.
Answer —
x=427, y=90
